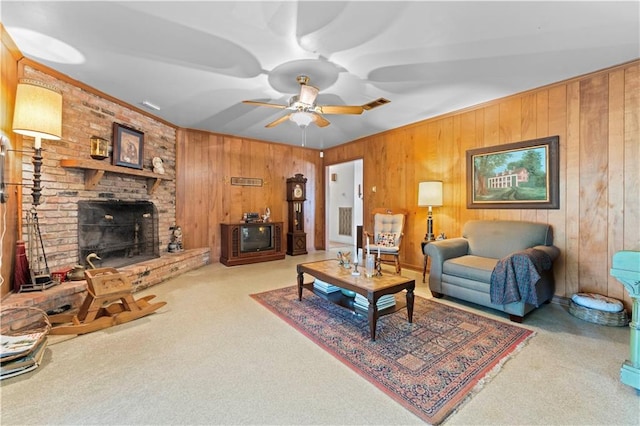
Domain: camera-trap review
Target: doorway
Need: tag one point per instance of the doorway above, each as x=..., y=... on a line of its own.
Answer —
x=344, y=205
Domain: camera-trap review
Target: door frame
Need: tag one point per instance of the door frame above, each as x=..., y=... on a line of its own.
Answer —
x=346, y=190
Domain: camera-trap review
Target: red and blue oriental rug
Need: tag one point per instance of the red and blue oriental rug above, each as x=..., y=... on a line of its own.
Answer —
x=430, y=366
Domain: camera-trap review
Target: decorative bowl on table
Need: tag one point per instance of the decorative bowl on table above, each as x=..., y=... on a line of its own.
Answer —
x=348, y=293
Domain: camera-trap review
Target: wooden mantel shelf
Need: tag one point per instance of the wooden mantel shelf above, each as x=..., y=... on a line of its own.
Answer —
x=94, y=170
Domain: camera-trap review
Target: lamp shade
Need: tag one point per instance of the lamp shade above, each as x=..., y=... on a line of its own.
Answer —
x=38, y=110
x=430, y=194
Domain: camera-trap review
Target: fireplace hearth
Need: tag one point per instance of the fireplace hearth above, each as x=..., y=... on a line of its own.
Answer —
x=120, y=233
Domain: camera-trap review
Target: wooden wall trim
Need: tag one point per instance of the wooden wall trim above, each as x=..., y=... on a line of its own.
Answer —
x=24, y=61
x=9, y=211
x=489, y=103
x=230, y=135
x=9, y=44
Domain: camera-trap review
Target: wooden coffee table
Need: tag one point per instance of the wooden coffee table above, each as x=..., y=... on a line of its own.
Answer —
x=331, y=272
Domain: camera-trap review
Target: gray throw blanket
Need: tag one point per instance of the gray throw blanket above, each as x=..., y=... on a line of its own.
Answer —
x=515, y=277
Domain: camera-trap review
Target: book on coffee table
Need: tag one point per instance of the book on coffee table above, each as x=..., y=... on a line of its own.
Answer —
x=384, y=302
x=324, y=287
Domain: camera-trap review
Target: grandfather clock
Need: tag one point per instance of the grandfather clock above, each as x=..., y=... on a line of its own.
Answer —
x=296, y=194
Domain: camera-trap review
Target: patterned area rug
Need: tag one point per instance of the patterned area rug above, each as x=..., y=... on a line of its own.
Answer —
x=430, y=366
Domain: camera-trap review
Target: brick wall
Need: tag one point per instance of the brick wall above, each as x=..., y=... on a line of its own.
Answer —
x=85, y=115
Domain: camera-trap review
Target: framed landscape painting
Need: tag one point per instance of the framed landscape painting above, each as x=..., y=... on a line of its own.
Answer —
x=520, y=175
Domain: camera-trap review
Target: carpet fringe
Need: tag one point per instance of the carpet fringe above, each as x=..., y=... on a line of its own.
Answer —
x=491, y=374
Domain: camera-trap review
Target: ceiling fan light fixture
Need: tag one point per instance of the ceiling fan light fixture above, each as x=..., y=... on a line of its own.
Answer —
x=301, y=118
x=308, y=94
x=303, y=108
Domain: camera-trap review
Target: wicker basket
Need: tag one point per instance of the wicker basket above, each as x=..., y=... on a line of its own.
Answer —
x=41, y=325
x=617, y=319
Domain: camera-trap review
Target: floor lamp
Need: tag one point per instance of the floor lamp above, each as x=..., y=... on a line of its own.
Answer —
x=37, y=113
x=430, y=195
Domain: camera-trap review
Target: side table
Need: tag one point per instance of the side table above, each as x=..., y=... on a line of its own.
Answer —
x=423, y=244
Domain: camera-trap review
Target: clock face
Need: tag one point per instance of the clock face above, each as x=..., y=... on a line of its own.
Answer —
x=297, y=192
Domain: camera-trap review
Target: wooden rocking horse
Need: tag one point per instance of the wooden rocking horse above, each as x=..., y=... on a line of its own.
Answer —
x=109, y=302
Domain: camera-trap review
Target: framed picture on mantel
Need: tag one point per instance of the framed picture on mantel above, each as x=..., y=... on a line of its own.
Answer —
x=128, y=146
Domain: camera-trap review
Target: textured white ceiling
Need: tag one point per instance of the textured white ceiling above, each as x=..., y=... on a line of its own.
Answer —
x=199, y=60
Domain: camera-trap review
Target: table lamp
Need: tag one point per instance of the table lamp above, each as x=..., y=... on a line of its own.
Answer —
x=430, y=195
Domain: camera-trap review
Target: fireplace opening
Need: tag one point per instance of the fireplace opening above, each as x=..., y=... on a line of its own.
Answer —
x=120, y=232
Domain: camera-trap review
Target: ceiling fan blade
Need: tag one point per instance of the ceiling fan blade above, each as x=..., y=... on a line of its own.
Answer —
x=278, y=121
x=320, y=120
x=341, y=109
x=267, y=104
x=352, y=109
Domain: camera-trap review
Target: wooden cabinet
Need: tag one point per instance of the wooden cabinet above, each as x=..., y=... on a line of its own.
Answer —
x=244, y=243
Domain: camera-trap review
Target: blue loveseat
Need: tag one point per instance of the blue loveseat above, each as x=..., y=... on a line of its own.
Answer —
x=462, y=267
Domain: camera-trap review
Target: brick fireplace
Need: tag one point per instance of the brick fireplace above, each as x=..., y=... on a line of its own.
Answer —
x=118, y=232
x=67, y=188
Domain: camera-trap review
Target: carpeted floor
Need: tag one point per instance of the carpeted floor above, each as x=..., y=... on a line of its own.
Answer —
x=429, y=366
x=213, y=356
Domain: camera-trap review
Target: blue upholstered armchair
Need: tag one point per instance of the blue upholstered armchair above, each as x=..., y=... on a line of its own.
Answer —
x=463, y=267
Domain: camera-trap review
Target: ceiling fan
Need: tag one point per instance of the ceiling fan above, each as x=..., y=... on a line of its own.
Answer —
x=305, y=111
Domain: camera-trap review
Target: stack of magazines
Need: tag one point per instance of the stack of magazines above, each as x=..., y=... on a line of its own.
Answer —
x=21, y=353
x=324, y=287
x=384, y=302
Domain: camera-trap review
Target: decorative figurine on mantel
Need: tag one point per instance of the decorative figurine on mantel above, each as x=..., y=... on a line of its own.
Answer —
x=158, y=166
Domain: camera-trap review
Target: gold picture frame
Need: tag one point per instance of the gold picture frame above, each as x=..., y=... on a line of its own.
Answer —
x=520, y=175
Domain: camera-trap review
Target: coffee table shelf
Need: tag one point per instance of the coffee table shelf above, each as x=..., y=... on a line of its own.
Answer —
x=348, y=302
x=371, y=288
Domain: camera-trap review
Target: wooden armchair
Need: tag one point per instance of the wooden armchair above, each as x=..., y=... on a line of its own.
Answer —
x=386, y=237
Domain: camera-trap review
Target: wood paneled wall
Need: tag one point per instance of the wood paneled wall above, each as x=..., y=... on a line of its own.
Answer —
x=205, y=198
x=597, y=117
x=9, y=217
